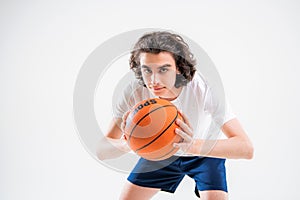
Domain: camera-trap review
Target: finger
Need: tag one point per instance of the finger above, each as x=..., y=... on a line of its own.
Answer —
x=124, y=137
x=185, y=147
x=124, y=118
x=184, y=127
x=180, y=145
x=122, y=126
x=185, y=136
x=125, y=115
x=185, y=118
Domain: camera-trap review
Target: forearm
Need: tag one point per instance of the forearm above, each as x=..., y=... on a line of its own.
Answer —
x=109, y=148
x=232, y=148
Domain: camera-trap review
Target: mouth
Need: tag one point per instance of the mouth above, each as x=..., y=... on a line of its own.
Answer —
x=156, y=89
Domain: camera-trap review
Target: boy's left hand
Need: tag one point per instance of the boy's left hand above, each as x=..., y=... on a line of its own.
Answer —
x=186, y=133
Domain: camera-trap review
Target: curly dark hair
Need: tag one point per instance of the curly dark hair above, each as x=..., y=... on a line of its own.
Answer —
x=163, y=41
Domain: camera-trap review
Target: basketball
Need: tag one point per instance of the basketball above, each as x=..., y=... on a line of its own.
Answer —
x=150, y=129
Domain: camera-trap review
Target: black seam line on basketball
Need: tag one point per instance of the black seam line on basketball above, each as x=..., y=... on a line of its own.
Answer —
x=166, y=153
x=144, y=118
x=158, y=135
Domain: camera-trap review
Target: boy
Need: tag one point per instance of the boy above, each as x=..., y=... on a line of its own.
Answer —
x=165, y=68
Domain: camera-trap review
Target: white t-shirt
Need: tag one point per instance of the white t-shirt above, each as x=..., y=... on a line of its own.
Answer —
x=197, y=101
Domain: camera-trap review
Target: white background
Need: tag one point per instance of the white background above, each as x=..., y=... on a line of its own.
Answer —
x=254, y=45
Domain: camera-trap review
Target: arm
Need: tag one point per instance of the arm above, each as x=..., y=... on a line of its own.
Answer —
x=236, y=146
x=113, y=144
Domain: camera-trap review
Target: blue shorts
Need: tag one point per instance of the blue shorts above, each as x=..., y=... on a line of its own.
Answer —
x=208, y=173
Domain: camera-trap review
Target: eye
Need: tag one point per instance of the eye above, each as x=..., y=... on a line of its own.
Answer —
x=163, y=70
x=147, y=71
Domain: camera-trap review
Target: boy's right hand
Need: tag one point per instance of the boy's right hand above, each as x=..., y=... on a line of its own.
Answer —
x=123, y=124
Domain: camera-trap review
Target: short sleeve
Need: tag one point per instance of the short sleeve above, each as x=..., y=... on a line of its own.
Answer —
x=229, y=114
x=218, y=107
x=128, y=97
x=122, y=102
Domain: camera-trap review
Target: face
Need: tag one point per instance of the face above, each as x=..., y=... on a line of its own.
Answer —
x=159, y=74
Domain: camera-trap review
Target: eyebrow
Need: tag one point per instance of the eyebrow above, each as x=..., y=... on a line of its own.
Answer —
x=165, y=65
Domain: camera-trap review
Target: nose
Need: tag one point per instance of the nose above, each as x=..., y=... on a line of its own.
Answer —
x=154, y=79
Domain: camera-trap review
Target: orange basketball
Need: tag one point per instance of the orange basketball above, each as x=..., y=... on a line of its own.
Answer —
x=150, y=129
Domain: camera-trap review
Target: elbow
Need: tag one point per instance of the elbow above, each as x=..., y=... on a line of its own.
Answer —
x=100, y=149
x=250, y=151
x=100, y=156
